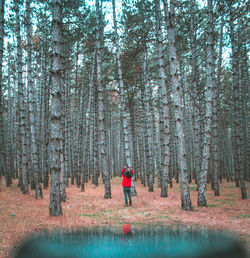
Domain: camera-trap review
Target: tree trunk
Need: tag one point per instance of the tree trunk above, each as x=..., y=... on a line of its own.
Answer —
x=45, y=121
x=178, y=111
x=89, y=120
x=22, y=111
x=56, y=109
x=237, y=123
x=164, y=108
x=135, y=152
x=195, y=84
x=95, y=141
x=148, y=124
x=3, y=170
x=208, y=112
x=32, y=105
x=90, y=123
x=218, y=84
x=10, y=157
x=104, y=163
x=215, y=117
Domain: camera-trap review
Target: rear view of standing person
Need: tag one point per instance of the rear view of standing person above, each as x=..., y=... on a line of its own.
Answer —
x=127, y=174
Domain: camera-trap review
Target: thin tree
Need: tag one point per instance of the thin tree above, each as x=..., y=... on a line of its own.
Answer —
x=202, y=177
x=22, y=109
x=56, y=108
x=9, y=144
x=195, y=84
x=104, y=163
x=2, y=148
x=164, y=108
x=32, y=104
x=216, y=106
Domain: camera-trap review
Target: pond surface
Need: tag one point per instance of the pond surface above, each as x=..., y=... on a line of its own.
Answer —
x=129, y=241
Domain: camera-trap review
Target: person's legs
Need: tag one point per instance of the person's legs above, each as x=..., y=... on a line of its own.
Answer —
x=129, y=196
x=125, y=195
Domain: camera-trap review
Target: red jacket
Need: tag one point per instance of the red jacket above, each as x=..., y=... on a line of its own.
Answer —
x=126, y=182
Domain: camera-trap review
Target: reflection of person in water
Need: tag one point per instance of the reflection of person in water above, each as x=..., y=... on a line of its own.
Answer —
x=128, y=234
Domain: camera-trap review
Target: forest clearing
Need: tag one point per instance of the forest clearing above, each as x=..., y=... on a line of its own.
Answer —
x=23, y=214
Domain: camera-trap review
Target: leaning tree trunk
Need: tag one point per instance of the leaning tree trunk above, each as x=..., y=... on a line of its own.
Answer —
x=22, y=111
x=32, y=105
x=164, y=108
x=208, y=112
x=2, y=148
x=104, y=163
x=178, y=112
x=56, y=108
x=128, y=156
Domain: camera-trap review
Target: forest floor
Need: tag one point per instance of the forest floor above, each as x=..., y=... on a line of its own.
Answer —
x=21, y=214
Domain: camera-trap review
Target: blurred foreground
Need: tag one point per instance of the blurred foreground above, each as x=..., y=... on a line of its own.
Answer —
x=126, y=241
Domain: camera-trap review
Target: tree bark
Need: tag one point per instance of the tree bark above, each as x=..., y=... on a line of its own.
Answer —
x=104, y=163
x=237, y=129
x=9, y=173
x=32, y=105
x=178, y=111
x=208, y=112
x=215, y=116
x=22, y=111
x=148, y=126
x=195, y=95
x=164, y=108
x=56, y=109
x=2, y=141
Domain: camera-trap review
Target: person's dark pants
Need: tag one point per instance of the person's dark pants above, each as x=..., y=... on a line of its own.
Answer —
x=127, y=195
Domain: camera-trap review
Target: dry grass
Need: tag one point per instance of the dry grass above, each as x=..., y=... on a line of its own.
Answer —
x=22, y=214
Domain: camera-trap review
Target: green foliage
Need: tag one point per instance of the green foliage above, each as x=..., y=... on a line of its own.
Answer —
x=229, y=202
x=92, y=215
x=247, y=216
x=212, y=205
x=163, y=217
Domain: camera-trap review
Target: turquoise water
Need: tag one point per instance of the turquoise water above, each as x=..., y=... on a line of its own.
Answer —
x=129, y=241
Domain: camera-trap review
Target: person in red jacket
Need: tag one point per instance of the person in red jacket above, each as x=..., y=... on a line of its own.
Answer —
x=126, y=183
